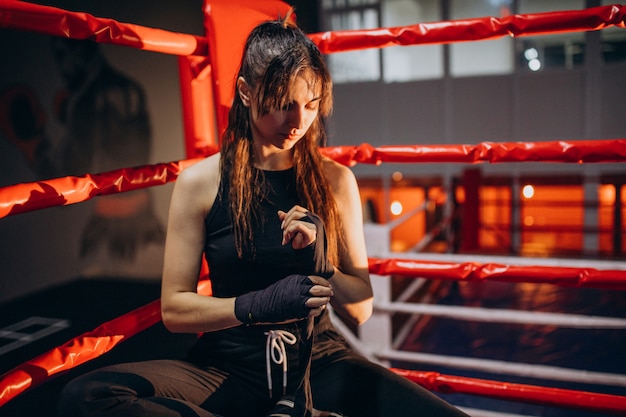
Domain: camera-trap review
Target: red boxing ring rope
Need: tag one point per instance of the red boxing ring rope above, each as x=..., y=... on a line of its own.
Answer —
x=58, y=22
x=472, y=29
x=21, y=198
x=48, y=193
x=580, y=400
x=476, y=272
x=83, y=348
x=77, y=351
x=577, y=151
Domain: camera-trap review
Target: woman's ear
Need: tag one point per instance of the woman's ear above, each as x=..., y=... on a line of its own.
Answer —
x=243, y=89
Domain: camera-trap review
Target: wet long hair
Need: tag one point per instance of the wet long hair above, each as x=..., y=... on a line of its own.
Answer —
x=275, y=54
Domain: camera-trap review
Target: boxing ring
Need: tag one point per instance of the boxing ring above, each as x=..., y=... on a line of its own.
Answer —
x=205, y=64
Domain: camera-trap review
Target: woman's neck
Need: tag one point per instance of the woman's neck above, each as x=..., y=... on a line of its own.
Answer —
x=273, y=161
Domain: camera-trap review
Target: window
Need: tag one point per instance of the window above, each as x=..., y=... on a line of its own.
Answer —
x=567, y=50
x=504, y=55
x=488, y=57
x=353, y=66
x=408, y=63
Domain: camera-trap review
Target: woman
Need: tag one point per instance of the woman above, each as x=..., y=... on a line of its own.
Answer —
x=281, y=229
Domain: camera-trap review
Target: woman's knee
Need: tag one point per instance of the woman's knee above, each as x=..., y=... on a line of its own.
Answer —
x=72, y=396
x=97, y=391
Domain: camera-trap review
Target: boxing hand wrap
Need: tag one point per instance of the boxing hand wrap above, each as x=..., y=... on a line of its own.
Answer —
x=283, y=300
x=323, y=267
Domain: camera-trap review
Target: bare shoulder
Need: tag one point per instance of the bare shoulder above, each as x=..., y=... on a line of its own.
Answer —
x=341, y=180
x=199, y=183
x=202, y=171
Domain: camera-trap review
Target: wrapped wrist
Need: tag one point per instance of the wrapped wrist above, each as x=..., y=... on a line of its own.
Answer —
x=323, y=267
x=281, y=301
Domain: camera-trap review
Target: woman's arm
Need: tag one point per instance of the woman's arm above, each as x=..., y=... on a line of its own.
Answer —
x=353, y=296
x=182, y=308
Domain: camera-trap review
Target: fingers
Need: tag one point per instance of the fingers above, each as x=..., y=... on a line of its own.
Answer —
x=300, y=237
x=296, y=212
x=316, y=312
x=299, y=233
x=315, y=302
x=321, y=293
x=317, y=305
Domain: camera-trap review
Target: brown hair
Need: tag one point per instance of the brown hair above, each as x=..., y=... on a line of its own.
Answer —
x=275, y=54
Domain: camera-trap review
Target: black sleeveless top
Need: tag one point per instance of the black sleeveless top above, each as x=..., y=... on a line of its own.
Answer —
x=243, y=347
x=270, y=261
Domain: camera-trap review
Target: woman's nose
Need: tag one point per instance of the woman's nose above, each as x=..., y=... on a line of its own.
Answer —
x=296, y=118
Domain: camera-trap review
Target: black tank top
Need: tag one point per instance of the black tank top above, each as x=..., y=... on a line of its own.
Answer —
x=270, y=261
x=240, y=347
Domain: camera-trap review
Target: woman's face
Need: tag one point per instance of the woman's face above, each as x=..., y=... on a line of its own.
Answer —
x=282, y=128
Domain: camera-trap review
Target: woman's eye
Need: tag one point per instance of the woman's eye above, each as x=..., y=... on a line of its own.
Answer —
x=314, y=105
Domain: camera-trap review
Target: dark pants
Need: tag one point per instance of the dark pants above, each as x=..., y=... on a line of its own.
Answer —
x=340, y=381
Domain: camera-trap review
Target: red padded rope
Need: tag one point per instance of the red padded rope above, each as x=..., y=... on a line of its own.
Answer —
x=83, y=348
x=579, y=400
x=472, y=29
x=25, y=197
x=21, y=198
x=473, y=271
x=575, y=151
x=48, y=20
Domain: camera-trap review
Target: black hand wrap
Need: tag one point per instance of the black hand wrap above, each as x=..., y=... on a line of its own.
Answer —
x=323, y=267
x=281, y=301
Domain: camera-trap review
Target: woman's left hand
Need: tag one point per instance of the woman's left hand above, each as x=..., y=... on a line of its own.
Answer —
x=299, y=232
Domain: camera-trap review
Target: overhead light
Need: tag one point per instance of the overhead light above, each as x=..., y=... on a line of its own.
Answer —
x=528, y=191
x=396, y=208
x=532, y=56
